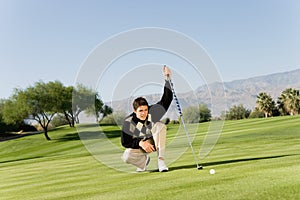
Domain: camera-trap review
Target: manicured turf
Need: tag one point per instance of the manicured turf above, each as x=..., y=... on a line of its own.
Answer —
x=253, y=159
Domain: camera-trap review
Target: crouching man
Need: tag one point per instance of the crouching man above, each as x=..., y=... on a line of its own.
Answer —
x=142, y=131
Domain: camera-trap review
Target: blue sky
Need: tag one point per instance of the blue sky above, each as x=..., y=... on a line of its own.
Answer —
x=50, y=39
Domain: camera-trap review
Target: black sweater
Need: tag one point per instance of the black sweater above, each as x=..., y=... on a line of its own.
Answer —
x=134, y=130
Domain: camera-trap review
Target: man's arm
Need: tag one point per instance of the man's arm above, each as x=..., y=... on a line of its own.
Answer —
x=160, y=108
x=129, y=142
x=167, y=96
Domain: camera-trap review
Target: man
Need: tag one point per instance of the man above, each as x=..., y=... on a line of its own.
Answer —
x=142, y=131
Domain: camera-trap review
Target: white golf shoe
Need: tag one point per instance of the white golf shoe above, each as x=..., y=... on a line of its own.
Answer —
x=162, y=167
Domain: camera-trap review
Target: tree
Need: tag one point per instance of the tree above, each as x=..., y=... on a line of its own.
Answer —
x=191, y=114
x=196, y=114
x=40, y=103
x=97, y=108
x=256, y=114
x=237, y=112
x=265, y=104
x=289, y=101
x=205, y=113
x=80, y=99
x=115, y=118
x=76, y=100
x=101, y=110
x=3, y=126
x=43, y=101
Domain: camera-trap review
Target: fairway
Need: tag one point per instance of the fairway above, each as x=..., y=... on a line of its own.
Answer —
x=253, y=159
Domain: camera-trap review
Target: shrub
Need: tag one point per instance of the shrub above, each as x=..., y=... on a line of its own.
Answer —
x=256, y=114
x=115, y=118
x=174, y=122
x=59, y=120
x=166, y=120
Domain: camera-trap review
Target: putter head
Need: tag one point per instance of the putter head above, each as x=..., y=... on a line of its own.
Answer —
x=199, y=167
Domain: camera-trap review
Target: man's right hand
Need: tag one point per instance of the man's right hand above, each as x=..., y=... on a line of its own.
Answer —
x=167, y=72
x=147, y=146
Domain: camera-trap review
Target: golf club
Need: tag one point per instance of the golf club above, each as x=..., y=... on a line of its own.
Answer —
x=182, y=121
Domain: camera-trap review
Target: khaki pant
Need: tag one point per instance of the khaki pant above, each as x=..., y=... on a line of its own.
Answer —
x=137, y=157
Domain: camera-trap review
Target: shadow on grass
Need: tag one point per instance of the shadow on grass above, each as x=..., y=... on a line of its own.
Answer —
x=11, y=136
x=113, y=134
x=88, y=135
x=21, y=159
x=68, y=137
x=228, y=162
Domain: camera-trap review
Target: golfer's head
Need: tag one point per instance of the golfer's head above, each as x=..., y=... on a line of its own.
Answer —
x=140, y=107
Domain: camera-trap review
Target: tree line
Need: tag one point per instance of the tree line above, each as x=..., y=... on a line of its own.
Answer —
x=288, y=103
x=45, y=101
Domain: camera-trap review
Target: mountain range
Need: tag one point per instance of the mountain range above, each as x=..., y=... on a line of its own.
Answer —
x=222, y=96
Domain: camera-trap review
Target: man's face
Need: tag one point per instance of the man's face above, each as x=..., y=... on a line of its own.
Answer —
x=141, y=112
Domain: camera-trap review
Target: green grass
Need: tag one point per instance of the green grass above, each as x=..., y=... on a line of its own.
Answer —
x=253, y=159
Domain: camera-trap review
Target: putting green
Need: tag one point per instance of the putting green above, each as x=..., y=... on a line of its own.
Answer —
x=253, y=159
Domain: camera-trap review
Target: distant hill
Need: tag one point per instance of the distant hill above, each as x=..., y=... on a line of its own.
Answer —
x=237, y=92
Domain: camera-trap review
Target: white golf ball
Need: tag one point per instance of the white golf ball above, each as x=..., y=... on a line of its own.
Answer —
x=212, y=171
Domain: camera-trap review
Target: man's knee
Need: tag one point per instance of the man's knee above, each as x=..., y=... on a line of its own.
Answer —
x=160, y=127
x=133, y=155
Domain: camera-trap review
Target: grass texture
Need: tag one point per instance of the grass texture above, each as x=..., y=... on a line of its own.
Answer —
x=253, y=159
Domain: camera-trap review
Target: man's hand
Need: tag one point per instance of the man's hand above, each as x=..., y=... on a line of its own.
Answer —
x=167, y=72
x=148, y=147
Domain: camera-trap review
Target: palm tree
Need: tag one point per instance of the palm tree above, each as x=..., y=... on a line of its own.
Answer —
x=265, y=104
x=289, y=101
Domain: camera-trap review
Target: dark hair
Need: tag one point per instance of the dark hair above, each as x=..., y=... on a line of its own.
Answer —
x=140, y=101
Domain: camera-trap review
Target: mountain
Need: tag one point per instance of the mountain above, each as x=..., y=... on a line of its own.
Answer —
x=222, y=96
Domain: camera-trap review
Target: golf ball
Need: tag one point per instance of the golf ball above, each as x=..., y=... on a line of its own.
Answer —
x=212, y=171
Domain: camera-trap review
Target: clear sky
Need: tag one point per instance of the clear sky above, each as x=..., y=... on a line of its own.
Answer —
x=50, y=39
